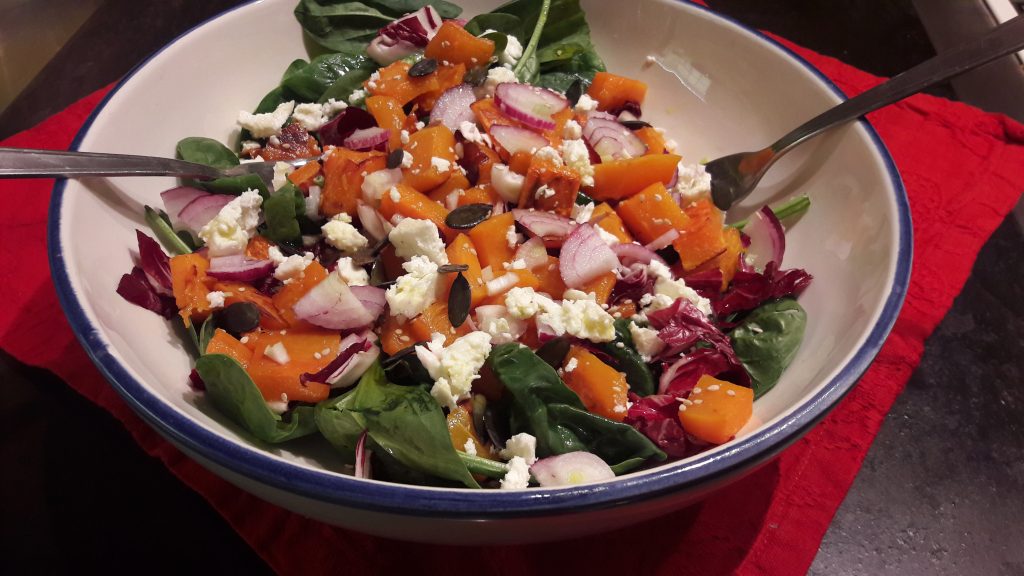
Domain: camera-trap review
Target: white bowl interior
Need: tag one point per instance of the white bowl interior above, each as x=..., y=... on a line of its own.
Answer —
x=713, y=86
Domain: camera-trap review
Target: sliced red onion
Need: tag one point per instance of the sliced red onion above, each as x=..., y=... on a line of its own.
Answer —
x=629, y=253
x=200, y=211
x=612, y=140
x=515, y=139
x=344, y=124
x=238, y=267
x=498, y=209
x=384, y=50
x=570, y=469
x=550, y=227
x=585, y=256
x=664, y=240
x=767, y=238
x=176, y=199
x=373, y=222
x=367, y=138
x=502, y=283
x=672, y=184
x=531, y=105
x=154, y=263
x=452, y=107
x=371, y=297
x=356, y=356
x=533, y=253
x=332, y=304
x=362, y=458
x=416, y=28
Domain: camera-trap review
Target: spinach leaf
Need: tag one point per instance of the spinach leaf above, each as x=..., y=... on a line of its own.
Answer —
x=206, y=151
x=507, y=24
x=308, y=83
x=235, y=395
x=205, y=334
x=349, y=26
x=546, y=408
x=344, y=86
x=235, y=185
x=339, y=425
x=407, y=423
x=280, y=210
x=163, y=231
x=767, y=340
x=638, y=373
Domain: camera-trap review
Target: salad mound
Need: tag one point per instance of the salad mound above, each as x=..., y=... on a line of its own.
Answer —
x=489, y=271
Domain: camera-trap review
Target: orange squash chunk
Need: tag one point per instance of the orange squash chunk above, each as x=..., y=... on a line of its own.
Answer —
x=490, y=238
x=612, y=91
x=410, y=203
x=716, y=410
x=606, y=217
x=389, y=115
x=425, y=145
x=292, y=292
x=228, y=345
x=270, y=317
x=651, y=213
x=394, y=81
x=620, y=179
x=434, y=319
x=601, y=388
x=308, y=351
x=461, y=431
x=453, y=44
x=524, y=279
x=394, y=336
x=457, y=181
x=190, y=285
x=702, y=238
x=258, y=248
x=550, y=278
x=447, y=76
x=303, y=176
x=651, y=138
x=560, y=186
x=601, y=287
x=343, y=181
x=461, y=251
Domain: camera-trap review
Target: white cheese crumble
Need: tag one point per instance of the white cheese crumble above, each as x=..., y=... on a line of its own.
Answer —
x=351, y=274
x=414, y=291
x=267, y=124
x=440, y=164
x=549, y=154
x=495, y=76
x=357, y=97
x=667, y=290
x=230, y=230
x=583, y=214
x=693, y=182
x=414, y=237
x=311, y=116
x=249, y=146
x=506, y=183
x=281, y=172
x=571, y=364
x=496, y=321
x=404, y=136
x=583, y=319
x=512, y=53
x=293, y=267
x=454, y=368
x=472, y=133
x=586, y=104
x=522, y=445
x=277, y=353
x=646, y=341
x=577, y=157
x=469, y=447
x=215, y=299
x=572, y=130
x=341, y=234
x=544, y=191
x=518, y=475
x=511, y=238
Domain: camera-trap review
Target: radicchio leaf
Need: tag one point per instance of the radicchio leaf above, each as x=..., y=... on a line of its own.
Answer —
x=682, y=325
x=136, y=288
x=748, y=290
x=657, y=417
x=634, y=283
x=155, y=264
x=681, y=376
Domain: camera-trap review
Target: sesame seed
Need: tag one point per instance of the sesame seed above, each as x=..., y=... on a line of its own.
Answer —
x=617, y=314
x=241, y=288
x=284, y=332
x=404, y=338
x=730, y=392
x=284, y=397
x=713, y=387
x=244, y=339
x=686, y=401
x=317, y=355
x=696, y=390
x=698, y=401
x=620, y=345
x=325, y=351
x=398, y=331
x=682, y=407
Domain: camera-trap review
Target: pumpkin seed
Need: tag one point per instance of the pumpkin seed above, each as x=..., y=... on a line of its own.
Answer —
x=239, y=318
x=452, y=268
x=404, y=367
x=468, y=215
x=635, y=124
x=423, y=67
x=395, y=158
x=458, y=301
x=476, y=76
x=554, y=351
x=573, y=93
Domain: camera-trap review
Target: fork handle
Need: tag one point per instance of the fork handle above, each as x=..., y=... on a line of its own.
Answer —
x=26, y=163
x=1000, y=41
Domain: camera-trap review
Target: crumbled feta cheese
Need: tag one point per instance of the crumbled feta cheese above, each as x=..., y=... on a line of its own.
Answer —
x=506, y=183
x=281, y=172
x=249, y=146
x=549, y=154
x=657, y=269
x=293, y=267
x=646, y=341
x=574, y=294
x=496, y=321
x=277, y=407
x=414, y=237
x=606, y=236
x=495, y=76
x=517, y=264
x=332, y=107
x=215, y=299
x=666, y=292
x=440, y=164
x=357, y=97
x=572, y=130
x=277, y=353
x=267, y=124
x=512, y=53
x=420, y=125
x=577, y=157
x=571, y=364
x=406, y=159
x=472, y=133
x=395, y=195
x=414, y=291
x=274, y=255
x=469, y=447
x=404, y=136
x=311, y=116
x=351, y=274
x=586, y=104
x=583, y=214
x=544, y=191
x=518, y=475
x=511, y=238
x=524, y=303
x=584, y=319
x=671, y=145
x=230, y=230
x=341, y=234
x=522, y=445
x=693, y=182
x=454, y=368
x=375, y=184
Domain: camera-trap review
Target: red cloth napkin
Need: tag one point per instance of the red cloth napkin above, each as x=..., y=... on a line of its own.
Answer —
x=963, y=173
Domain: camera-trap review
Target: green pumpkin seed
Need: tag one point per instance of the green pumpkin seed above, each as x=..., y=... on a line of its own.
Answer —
x=468, y=215
x=452, y=268
x=458, y=301
x=423, y=67
x=239, y=318
x=573, y=93
x=395, y=158
x=635, y=124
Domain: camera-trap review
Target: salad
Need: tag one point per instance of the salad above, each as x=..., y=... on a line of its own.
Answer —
x=490, y=271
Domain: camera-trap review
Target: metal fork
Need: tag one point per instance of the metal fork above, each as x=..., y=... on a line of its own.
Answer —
x=735, y=176
x=28, y=163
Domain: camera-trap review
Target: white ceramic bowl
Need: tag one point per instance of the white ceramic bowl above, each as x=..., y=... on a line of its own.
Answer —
x=717, y=87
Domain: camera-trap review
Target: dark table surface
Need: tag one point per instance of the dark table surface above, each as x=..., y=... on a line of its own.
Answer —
x=940, y=491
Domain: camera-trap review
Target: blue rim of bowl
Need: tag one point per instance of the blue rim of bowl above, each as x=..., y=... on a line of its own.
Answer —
x=331, y=488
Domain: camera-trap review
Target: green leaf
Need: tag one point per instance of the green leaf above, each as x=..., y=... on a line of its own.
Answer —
x=206, y=151
x=407, y=423
x=545, y=407
x=350, y=26
x=235, y=185
x=767, y=340
x=788, y=209
x=344, y=87
x=507, y=24
x=163, y=231
x=339, y=425
x=206, y=334
x=309, y=82
x=280, y=210
x=235, y=395
x=638, y=373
